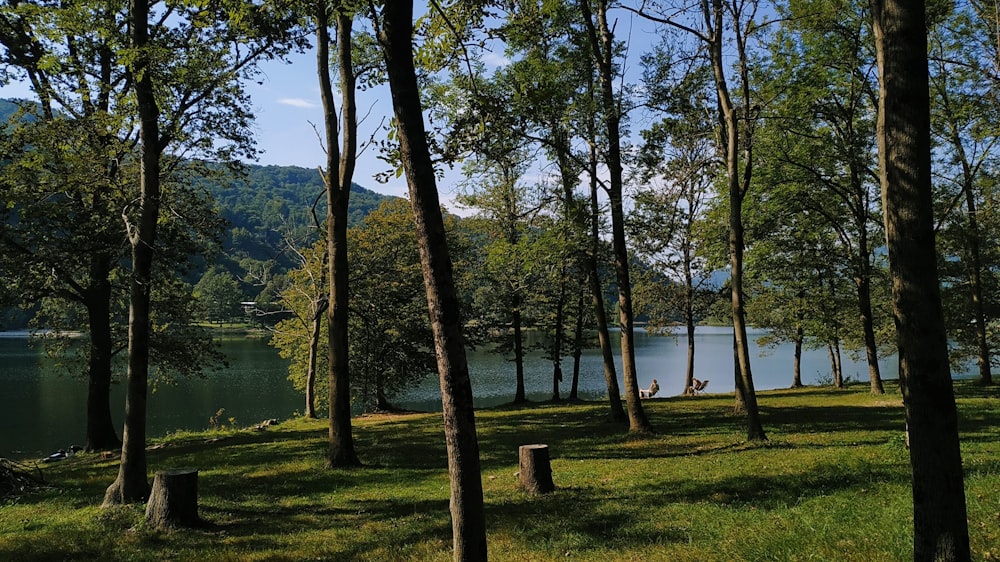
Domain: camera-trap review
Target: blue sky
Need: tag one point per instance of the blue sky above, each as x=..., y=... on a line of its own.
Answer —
x=287, y=105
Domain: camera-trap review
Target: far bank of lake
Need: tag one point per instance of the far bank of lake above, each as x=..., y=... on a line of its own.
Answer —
x=42, y=410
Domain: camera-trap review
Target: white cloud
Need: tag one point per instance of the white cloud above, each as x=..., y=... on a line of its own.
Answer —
x=298, y=102
x=496, y=61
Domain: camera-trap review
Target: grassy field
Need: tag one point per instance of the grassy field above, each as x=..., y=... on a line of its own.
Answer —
x=832, y=483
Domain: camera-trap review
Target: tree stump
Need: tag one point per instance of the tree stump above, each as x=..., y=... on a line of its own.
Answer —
x=173, y=502
x=535, y=473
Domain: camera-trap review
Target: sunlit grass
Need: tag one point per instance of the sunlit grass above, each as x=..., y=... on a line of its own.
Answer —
x=831, y=483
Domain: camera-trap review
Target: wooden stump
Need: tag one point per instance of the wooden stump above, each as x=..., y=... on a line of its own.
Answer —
x=535, y=473
x=173, y=502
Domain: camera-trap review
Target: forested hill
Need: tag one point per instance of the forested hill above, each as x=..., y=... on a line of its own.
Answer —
x=271, y=207
x=273, y=194
x=265, y=210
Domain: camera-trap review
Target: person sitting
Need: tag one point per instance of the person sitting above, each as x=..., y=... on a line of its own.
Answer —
x=649, y=392
x=698, y=386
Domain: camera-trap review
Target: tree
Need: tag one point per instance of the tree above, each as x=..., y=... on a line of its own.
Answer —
x=394, y=27
x=391, y=338
x=390, y=335
x=297, y=338
x=75, y=267
x=820, y=135
x=679, y=159
x=337, y=178
x=69, y=167
x=737, y=120
x=964, y=125
x=188, y=93
x=219, y=295
x=940, y=524
x=131, y=484
x=601, y=40
x=507, y=214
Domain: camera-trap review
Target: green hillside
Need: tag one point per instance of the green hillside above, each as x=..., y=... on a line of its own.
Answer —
x=272, y=205
x=265, y=209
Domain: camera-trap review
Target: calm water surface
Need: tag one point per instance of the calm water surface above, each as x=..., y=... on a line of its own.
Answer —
x=42, y=410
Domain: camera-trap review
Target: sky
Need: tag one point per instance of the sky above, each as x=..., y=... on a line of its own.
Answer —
x=287, y=106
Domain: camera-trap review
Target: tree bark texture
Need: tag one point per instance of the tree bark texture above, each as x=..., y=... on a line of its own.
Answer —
x=132, y=485
x=602, y=40
x=520, y=396
x=337, y=178
x=467, y=508
x=738, y=180
x=597, y=296
x=173, y=501
x=534, y=469
x=940, y=526
x=101, y=434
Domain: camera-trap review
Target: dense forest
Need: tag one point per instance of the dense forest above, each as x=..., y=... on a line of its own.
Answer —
x=837, y=159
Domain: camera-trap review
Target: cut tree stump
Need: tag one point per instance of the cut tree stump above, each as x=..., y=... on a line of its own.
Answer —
x=173, y=502
x=535, y=473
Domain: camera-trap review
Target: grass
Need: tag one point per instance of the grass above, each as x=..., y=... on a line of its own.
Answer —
x=832, y=483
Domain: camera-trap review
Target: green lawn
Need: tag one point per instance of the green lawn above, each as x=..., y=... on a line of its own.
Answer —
x=832, y=483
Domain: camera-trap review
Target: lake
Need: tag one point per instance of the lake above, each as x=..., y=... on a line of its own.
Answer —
x=42, y=410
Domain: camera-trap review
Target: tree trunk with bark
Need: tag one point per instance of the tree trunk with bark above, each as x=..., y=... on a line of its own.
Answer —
x=337, y=178
x=602, y=46
x=738, y=180
x=132, y=485
x=597, y=296
x=315, y=330
x=395, y=32
x=863, y=283
x=940, y=525
x=797, y=362
x=557, y=343
x=173, y=501
x=101, y=434
x=577, y=345
x=519, y=392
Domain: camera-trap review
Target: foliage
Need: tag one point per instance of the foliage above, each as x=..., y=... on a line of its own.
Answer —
x=964, y=125
x=219, y=296
x=391, y=344
x=305, y=297
x=836, y=462
x=63, y=237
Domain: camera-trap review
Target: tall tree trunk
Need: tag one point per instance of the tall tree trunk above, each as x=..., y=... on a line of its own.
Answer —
x=602, y=47
x=940, y=525
x=597, y=296
x=973, y=260
x=863, y=284
x=797, y=361
x=738, y=179
x=975, y=269
x=557, y=345
x=467, y=508
x=838, y=366
x=519, y=393
x=315, y=331
x=689, y=320
x=339, y=173
x=577, y=345
x=101, y=434
x=740, y=405
x=132, y=484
